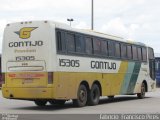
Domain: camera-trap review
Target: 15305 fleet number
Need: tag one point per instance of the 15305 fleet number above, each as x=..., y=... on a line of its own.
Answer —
x=69, y=63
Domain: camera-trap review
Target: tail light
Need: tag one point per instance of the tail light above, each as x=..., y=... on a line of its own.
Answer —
x=50, y=77
x=2, y=77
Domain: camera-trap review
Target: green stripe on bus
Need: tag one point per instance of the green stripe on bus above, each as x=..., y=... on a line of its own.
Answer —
x=134, y=77
x=127, y=78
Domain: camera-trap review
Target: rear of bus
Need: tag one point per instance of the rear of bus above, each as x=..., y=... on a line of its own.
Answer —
x=27, y=62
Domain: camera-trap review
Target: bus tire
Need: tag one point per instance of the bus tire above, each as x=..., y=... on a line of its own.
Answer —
x=40, y=102
x=94, y=95
x=57, y=102
x=143, y=90
x=81, y=96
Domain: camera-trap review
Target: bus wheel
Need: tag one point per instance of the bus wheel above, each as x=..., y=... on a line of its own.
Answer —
x=142, y=94
x=40, y=102
x=81, y=96
x=57, y=102
x=94, y=95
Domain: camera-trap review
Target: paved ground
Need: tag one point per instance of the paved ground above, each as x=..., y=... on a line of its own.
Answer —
x=121, y=104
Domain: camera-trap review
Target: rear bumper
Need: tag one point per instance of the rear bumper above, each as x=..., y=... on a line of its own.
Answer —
x=27, y=93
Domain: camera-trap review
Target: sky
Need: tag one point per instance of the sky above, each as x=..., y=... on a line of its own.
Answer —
x=137, y=20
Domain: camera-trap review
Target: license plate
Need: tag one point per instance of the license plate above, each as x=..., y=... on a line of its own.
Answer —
x=28, y=81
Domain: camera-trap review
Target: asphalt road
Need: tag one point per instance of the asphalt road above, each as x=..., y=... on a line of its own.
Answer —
x=27, y=110
x=121, y=104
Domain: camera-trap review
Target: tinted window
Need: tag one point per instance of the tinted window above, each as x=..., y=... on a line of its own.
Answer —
x=139, y=53
x=59, y=41
x=89, y=47
x=129, y=51
x=96, y=46
x=79, y=44
x=61, y=44
x=111, y=48
x=123, y=50
x=144, y=54
x=117, y=50
x=134, y=51
x=70, y=42
x=104, y=47
x=150, y=53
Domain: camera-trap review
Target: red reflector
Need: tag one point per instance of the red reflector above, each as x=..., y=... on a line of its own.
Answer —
x=50, y=77
x=26, y=75
x=2, y=78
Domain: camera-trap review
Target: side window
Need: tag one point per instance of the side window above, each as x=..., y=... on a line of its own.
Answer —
x=144, y=54
x=117, y=50
x=60, y=40
x=129, y=52
x=104, y=47
x=134, y=51
x=88, y=42
x=151, y=63
x=70, y=42
x=150, y=53
x=139, y=53
x=111, y=47
x=157, y=64
x=96, y=46
x=79, y=44
x=123, y=50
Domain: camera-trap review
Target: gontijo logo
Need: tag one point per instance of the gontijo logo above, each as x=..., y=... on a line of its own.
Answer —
x=25, y=32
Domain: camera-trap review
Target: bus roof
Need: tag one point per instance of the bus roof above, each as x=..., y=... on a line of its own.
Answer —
x=83, y=31
x=96, y=33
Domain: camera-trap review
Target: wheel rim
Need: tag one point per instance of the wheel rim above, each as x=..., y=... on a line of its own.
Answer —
x=82, y=96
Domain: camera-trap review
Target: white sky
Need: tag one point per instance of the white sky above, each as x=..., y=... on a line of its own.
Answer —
x=137, y=20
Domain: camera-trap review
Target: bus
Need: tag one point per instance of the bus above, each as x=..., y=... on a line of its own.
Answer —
x=157, y=62
x=50, y=62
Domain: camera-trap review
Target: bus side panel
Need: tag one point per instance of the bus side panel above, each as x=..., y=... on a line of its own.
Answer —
x=68, y=83
x=112, y=84
x=132, y=79
x=127, y=78
x=144, y=75
x=115, y=80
